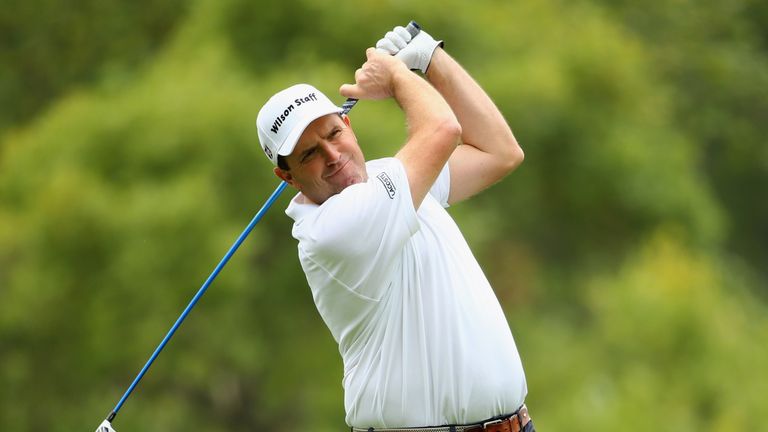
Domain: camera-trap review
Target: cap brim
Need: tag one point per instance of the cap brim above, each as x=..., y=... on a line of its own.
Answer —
x=290, y=141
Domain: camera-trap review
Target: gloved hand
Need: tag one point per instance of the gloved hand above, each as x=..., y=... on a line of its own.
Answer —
x=415, y=52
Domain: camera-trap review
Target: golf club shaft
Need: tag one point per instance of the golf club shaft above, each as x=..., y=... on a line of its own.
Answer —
x=414, y=29
x=199, y=294
x=346, y=107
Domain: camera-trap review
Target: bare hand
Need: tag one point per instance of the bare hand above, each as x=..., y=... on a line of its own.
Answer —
x=375, y=79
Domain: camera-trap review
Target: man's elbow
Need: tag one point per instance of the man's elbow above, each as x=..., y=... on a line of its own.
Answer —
x=450, y=130
x=519, y=155
x=513, y=157
x=446, y=134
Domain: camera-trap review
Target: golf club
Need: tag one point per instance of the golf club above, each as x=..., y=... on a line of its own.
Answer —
x=106, y=426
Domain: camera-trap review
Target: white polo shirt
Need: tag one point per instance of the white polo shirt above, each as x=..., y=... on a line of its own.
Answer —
x=422, y=335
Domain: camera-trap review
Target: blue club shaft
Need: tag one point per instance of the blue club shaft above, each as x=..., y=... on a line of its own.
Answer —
x=414, y=29
x=199, y=294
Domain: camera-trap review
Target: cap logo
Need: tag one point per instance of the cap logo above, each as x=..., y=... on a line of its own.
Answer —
x=268, y=151
x=280, y=119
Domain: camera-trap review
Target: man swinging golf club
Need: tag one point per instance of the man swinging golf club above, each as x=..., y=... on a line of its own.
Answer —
x=423, y=338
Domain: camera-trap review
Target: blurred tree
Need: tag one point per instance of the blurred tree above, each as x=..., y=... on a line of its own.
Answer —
x=607, y=247
x=115, y=207
x=605, y=162
x=48, y=47
x=283, y=34
x=669, y=341
x=716, y=57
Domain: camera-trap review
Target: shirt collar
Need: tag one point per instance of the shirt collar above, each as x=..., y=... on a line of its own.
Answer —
x=299, y=207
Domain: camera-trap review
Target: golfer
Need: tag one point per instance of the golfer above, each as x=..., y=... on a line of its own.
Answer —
x=422, y=336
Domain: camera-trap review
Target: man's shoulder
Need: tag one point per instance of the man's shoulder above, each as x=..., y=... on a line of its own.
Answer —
x=379, y=164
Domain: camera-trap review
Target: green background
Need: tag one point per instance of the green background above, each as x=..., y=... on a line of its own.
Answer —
x=629, y=250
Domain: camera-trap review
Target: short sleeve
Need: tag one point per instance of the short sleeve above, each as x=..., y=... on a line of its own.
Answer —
x=441, y=189
x=355, y=237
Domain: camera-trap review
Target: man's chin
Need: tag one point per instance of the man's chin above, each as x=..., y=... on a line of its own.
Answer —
x=353, y=180
x=349, y=181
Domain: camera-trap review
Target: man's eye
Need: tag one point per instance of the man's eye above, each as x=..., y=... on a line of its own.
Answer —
x=308, y=155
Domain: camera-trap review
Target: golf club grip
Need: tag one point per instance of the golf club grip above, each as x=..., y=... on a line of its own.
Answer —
x=413, y=28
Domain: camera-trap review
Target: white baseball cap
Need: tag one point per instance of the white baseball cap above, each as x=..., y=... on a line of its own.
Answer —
x=282, y=120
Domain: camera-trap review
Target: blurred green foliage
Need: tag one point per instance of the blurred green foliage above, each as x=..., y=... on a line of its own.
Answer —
x=49, y=47
x=628, y=250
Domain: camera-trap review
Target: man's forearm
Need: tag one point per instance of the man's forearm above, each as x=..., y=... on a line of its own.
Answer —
x=433, y=132
x=490, y=150
x=424, y=107
x=483, y=125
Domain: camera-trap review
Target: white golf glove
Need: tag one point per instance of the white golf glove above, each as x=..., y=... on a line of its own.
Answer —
x=105, y=426
x=415, y=52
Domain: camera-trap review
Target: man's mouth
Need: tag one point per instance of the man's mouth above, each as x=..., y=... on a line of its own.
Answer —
x=337, y=170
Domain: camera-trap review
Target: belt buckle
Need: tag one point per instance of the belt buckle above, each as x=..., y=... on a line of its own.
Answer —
x=491, y=423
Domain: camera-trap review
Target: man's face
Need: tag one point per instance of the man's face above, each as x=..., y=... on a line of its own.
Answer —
x=326, y=159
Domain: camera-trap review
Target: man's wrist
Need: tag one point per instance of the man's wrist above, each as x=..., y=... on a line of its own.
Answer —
x=438, y=57
x=400, y=78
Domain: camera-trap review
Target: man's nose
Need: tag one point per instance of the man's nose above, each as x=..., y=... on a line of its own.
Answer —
x=331, y=153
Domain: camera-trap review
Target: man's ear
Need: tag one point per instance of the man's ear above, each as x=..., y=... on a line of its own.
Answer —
x=285, y=176
x=346, y=120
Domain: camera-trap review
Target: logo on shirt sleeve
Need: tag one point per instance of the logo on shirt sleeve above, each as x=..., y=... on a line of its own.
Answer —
x=389, y=186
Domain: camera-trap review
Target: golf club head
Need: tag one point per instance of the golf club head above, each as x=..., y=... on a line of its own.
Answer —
x=105, y=426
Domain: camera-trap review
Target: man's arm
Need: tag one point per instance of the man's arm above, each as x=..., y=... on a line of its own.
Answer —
x=489, y=150
x=433, y=129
